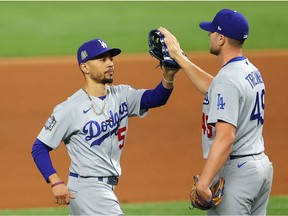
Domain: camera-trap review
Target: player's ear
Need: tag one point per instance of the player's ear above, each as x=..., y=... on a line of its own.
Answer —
x=221, y=39
x=84, y=68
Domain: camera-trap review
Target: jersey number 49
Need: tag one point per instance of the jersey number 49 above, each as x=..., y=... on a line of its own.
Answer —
x=258, y=110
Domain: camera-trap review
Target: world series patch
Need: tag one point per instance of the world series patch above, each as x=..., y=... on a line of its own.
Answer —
x=50, y=123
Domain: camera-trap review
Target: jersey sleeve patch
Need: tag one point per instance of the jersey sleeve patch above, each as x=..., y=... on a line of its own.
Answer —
x=51, y=122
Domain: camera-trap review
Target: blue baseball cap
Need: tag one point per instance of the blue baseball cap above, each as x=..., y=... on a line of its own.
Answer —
x=228, y=22
x=94, y=48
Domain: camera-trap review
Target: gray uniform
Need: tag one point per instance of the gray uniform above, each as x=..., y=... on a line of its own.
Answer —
x=236, y=96
x=94, y=132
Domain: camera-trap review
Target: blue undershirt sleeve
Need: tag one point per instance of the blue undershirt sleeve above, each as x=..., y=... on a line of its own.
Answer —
x=155, y=97
x=40, y=154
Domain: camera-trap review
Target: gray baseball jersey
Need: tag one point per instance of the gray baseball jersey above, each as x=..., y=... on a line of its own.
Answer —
x=236, y=96
x=94, y=131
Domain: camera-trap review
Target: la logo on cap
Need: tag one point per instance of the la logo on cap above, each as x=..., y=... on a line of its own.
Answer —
x=103, y=44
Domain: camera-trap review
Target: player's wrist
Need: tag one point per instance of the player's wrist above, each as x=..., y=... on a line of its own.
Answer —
x=54, y=178
x=57, y=183
x=170, y=79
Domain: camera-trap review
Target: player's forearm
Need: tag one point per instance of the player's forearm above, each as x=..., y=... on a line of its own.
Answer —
x=40, y=154
x=199, y=78
x=155, y=97
x=218, y=154
x=215, y=161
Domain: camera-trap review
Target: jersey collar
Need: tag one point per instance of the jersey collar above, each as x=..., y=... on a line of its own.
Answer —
x=238, y=58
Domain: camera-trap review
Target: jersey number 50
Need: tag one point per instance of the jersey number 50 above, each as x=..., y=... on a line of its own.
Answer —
x=258, y=110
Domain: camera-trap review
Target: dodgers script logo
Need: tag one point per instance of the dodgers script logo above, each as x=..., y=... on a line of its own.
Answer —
x=99, y=131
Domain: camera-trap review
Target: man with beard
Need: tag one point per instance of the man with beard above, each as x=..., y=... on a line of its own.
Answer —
x=93, y=124
x=232, y=118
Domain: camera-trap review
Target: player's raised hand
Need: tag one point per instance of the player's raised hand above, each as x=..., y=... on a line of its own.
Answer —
x=172, y=43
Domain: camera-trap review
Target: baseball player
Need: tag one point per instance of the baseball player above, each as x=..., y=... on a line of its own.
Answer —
x=93, y=125
x=232, y=118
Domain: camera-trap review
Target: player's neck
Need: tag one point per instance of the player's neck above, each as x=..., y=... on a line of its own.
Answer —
x=96, y=90
x=227, y=55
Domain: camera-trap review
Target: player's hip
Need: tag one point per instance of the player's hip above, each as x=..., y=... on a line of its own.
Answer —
x=257, y=165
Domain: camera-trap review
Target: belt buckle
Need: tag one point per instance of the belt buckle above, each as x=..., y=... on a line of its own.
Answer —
x=112, y=180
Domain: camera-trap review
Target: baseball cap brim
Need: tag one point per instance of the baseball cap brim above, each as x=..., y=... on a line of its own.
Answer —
x=113, y=52
x=208, y=26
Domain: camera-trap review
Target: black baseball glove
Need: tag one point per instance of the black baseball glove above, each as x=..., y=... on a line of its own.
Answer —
x=158, y=49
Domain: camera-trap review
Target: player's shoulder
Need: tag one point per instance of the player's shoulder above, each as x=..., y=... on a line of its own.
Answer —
x=71, y=101
x=237, y=66
x=235, y=74
x=120, y=88
x=234, y=71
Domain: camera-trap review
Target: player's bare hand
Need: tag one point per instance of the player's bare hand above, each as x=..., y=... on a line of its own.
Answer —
x=173, y=45
x=203, y=191
x=61, y=194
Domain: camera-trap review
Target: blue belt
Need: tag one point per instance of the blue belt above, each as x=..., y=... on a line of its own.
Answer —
x=111, y=180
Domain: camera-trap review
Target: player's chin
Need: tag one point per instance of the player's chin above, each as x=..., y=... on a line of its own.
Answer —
x=109, y=75
x=107, y=80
